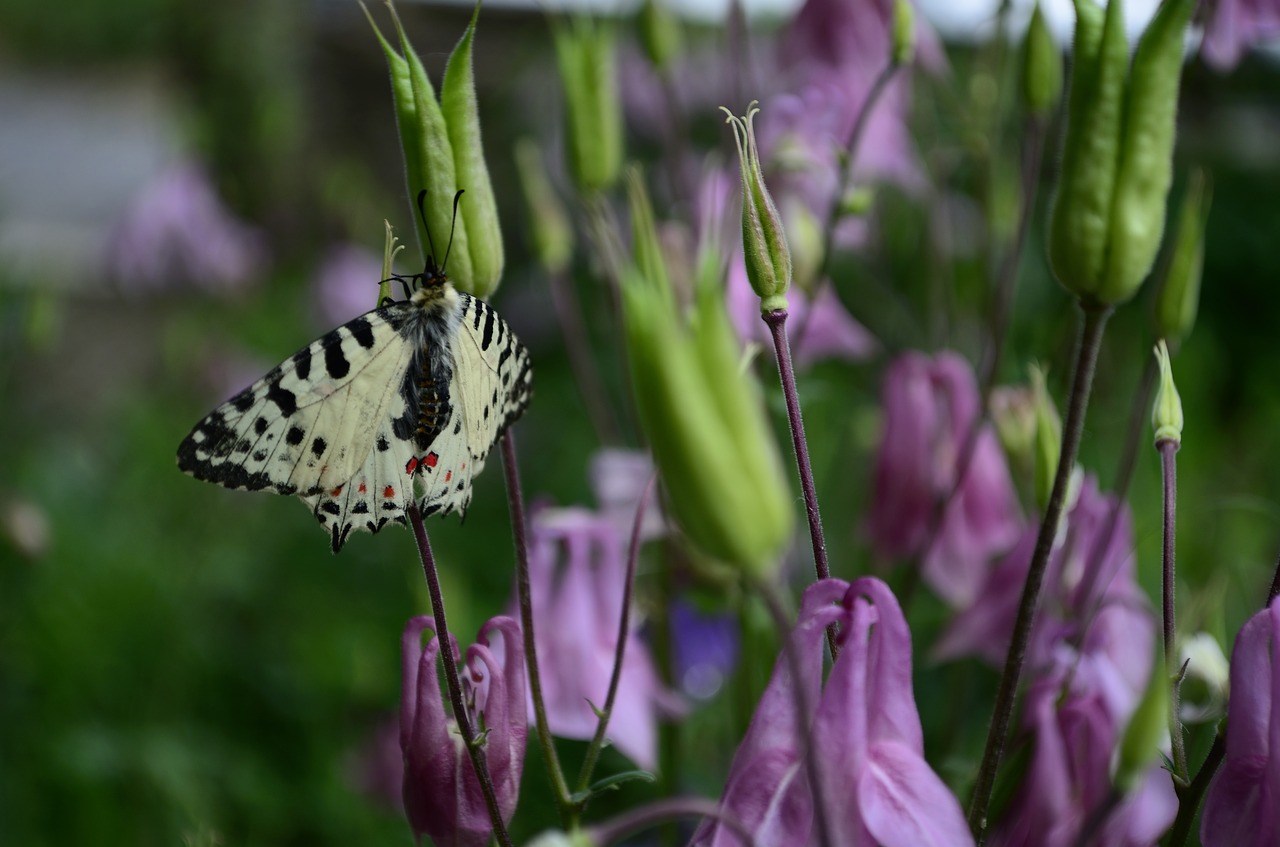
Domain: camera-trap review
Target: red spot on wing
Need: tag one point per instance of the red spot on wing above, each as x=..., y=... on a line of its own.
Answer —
x=411, y=466
x=388, y=492
x=335, y=492
x=448, y=475
x=363, y=488
x=431, y=460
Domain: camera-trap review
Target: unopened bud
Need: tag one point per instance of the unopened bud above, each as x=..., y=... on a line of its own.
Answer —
x=659, y=33
x=1041, y=68
x=593, y=108
x=764, y=240
x=904, y=32
x=1166, y=414
x=548, y=223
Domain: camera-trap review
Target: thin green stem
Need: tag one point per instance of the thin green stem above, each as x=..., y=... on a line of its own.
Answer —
x=777, y=321
x=620, y=651
x=1094, y=321
x=474, y=750
x=515, y=499
x=1168, y=465
x=1189, y=800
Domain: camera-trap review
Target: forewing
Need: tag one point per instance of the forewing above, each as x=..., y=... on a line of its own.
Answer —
x=308, y=425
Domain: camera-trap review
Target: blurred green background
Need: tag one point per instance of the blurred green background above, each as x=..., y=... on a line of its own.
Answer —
x=184, y=664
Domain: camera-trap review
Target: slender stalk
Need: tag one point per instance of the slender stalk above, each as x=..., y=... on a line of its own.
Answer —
x=1189, y=801
x=624, y=630
x=474, y=750
x=665, y=810
x=581, y=359
x=803, y=711
x=777, y=321
x=1094, y=321
x=1168, y=464
x=516, y=501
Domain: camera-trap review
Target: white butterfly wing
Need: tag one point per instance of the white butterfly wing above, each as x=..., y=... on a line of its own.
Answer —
x=310, y=423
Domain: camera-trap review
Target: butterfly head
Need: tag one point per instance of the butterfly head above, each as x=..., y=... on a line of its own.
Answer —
x=432, y=285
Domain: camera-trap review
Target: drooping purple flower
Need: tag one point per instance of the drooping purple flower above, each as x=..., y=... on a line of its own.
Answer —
x=930, y=406
x=178, y=231
x=866, y=736
x=577, y=564
x=1242, y=807
x=619, y=478
x=1234, y=26
x=346, y=283
x=1073, y=723
x=442, y=796
x=1089, y=598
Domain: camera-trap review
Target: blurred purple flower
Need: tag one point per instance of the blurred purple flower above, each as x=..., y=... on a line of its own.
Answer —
x=346, y=283
x=820, y=328
x=618, y=478
x=1242, y=808
x=1075, y=726
x=177, y=231
x=577, y=600
x=704, y=647
x=929, y=407
x=1236, y=25
x=866, y=733
x=1089, y=598
x=442, y=796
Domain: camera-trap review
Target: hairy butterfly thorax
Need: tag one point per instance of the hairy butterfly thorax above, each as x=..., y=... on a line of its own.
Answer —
x=400, y=405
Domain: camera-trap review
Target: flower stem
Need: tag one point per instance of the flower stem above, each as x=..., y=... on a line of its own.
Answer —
x=1168, y=466
x=624, y=630
x=664, y=810
x=1094, y=321
x=518, y=528
x=474, y=750
x=804, y=710
x=777, y=321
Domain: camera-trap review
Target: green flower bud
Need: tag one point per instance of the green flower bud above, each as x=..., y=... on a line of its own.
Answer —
x=1108, y=214
x=1203, y=694
x=442, y=153
x=1013, y=411
x=1041, y=68
x=1166, y=413
x=703, y=417
x=764, y=240
x=659, y=33
x=1180, y=295
x=1147, y=731
x=804, y=235
x=548, y=222
x=857, y=201
x=593, y=110
x=646, y=249
x=1048, y=446
x=904, y=32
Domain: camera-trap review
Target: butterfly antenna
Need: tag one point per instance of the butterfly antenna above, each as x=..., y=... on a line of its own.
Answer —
x=422, y=213
x=453, y=225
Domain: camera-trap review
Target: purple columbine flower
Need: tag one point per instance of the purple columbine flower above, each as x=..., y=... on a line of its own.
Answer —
x=577, y=600
x=1236, y=25
x=346, y=283
x=1242, y=808
x=1073, y=723
x=178, y=231
x=878, y=789
x=618, y=478
x=442, y=796
x=930, y=405
x=1090, y=599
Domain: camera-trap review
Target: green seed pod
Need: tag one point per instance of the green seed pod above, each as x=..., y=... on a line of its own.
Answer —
x=1041, y=68
x=764, y=239
x=1179, y=297
x=1166, y=412
x=659, y=33
x=548, y=221
x=593, y=110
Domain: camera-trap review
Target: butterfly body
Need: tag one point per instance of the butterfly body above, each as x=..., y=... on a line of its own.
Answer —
x=399, y=406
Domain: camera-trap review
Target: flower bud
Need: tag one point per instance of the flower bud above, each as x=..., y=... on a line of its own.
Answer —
x=704, y=420
x=548, y=222
x=1180, y=295
x=1166, y=414
x=1204, y=686
x=558, y=838
x=764, y=240
x=1108, y=213
x=1041, y=68
x=1048, y=447
x=593, y=110
x=659, y=33
x=442, y=154
x=1013, y=411
x=1147, y=732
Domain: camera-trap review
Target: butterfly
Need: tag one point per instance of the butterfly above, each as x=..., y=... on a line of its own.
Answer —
x=399, y=406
